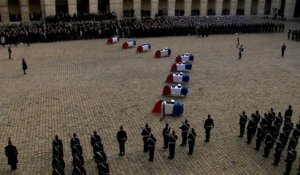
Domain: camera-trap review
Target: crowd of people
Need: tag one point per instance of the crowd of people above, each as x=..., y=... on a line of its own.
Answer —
x=268, y=131
x=90, y=26
x=294, y=34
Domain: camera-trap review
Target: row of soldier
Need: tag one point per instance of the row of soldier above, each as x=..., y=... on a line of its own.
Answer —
x=294, y=34
x=267, y=130
x=166, y=26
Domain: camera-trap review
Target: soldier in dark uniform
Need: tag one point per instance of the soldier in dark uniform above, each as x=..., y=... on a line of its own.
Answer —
x=191, y=140
x=9, y=52
x=278, y=150
x=11, y=153
x=242, y=123
x=78, y=170
x=241, y=49
x=250, y=130
x=283, y=47
x=151, y=140
x=100, y=156
x=184, y=132
x=75, y=140
x=146, y=133
x=260, y=136
x=208, y=125
x=24, y=66
x=292, y=143
x=269, y=142
x=57, y=147
x=58, y=165
x=103, y=168
x=95, y=138
x=122, y=138
x=288, y=113
x=166, y=133
x=287, y=127
x=78, y=159
x=172, y=143
x=278, y=120
x=291, y=156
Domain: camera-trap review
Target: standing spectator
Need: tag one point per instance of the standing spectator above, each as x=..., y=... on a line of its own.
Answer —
x=283, y=46
x=208, y=125
x=122, y=138
x=24, y=66
x=11, y=153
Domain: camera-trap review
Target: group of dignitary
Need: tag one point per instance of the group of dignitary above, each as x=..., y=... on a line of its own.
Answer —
x=268, y=130
x=294, y=34
x=66, y=28
x=58, y=163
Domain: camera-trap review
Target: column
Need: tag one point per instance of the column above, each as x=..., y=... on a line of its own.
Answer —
x=219, y=4
x=261, y=8
x=247, y=7
x=24, y=10
x=117, y=7
x=4, y=11
x=154, y=8
x=93, y=6
x=72, y=5
x=171, y=7
x=203, y=6
x=48, y=8
x=137, y=8
x=233, y=6
x=289, y=8
x=187, y=7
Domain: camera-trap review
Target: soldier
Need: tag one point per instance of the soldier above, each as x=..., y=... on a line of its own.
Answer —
x=11, y=153
x=57, y=147
x=58, y=164
x=78, y=170
x=208, y=125
x=250, y=130
x=269, y=141
x=95, y=139
x=291, y=156
x=103, y=168
x=274, y=131
x=278, y=150
x=172, y=143
x=287, y=127
x=24, y=66
x=243, y=121
x=100, y=156
x=77, y=159
x=283, y=47
x=288, y=113
x=58, y=171
x=184, y=132
x=75, y=140
x=166, y=133
x=241, y=49
x=146, y=133
x=191, y=140
x=122, y=138
x=260, y=136
x=278, y=121
x=9, y=52
x=264, y=122
x=292, y=144
x=151, y=140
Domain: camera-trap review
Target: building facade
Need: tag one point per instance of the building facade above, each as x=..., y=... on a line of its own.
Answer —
x=30, y=10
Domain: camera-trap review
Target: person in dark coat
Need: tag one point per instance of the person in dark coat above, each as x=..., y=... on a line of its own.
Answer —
x=191, y=141
x=57, y=147
x=184, y=132
x=24, y=66
x=11, y=153
x=283, y=47
x=208, y=125
x=103, y=168
x=260, y=136
x=242, y=123
x=172, y=143
x=241, y=49
x=146, y=133
x=151, y=140
x=278, y=150
x=9, y=52
x=95, y=138
x=122, y=138
x=166, y=133
x=291, y=156
x=288, y=113
x=250, y=130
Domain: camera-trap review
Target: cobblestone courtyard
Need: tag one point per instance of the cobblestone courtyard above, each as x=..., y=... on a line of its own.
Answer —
x=82, y=86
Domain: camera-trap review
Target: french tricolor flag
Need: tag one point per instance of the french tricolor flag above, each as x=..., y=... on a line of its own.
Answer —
x=178, y=78
x=175, y=90
x=129, y=44
x=113, y=39
x=165, y=52
x=187, y=57
x=143, y=48
x=181, y=67
x=170, y=107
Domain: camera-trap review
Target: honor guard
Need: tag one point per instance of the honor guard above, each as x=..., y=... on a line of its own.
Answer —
x=95, y=138
x=151, y=140
x=264, y=123
x=122, y=138
x=250, y=130
x=260, y=136
x=103, y=168
x=242, y=123
x=278, y=120
x=269, y=142
x=78, y=170
x=184, y=132
x=76, y=149
x=278, y=150
x=75, y=140
x=77, y=160
x=146, y=133
x=58, y=165
x=166, y=133
x=172, y=143
x=11, y=153
x=287, y=127
x=100, y=157
x=58, y=171
x=292, y=144
x=191, y=140
x=57, y=147
x=291, y=156
x=208, y=125
x=288, y=113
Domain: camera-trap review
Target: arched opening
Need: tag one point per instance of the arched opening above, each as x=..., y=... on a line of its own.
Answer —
x=163, y=8
x=145, y=8
x=83, y=7
x=103, y=5
x=282, y=7
x=297, y=9
x=254, y=7
x=34, y=10
x=240, y=7
x=195, y=8
x=179, y=8
x=61, y=7
x=14, y=10
x=225, y=7
x=128, y=10
x=267, y=7
x=211, y=7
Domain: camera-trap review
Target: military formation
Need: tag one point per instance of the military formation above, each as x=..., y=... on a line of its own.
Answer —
x=272, y=130
x=90, y=26
x=294, y=34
